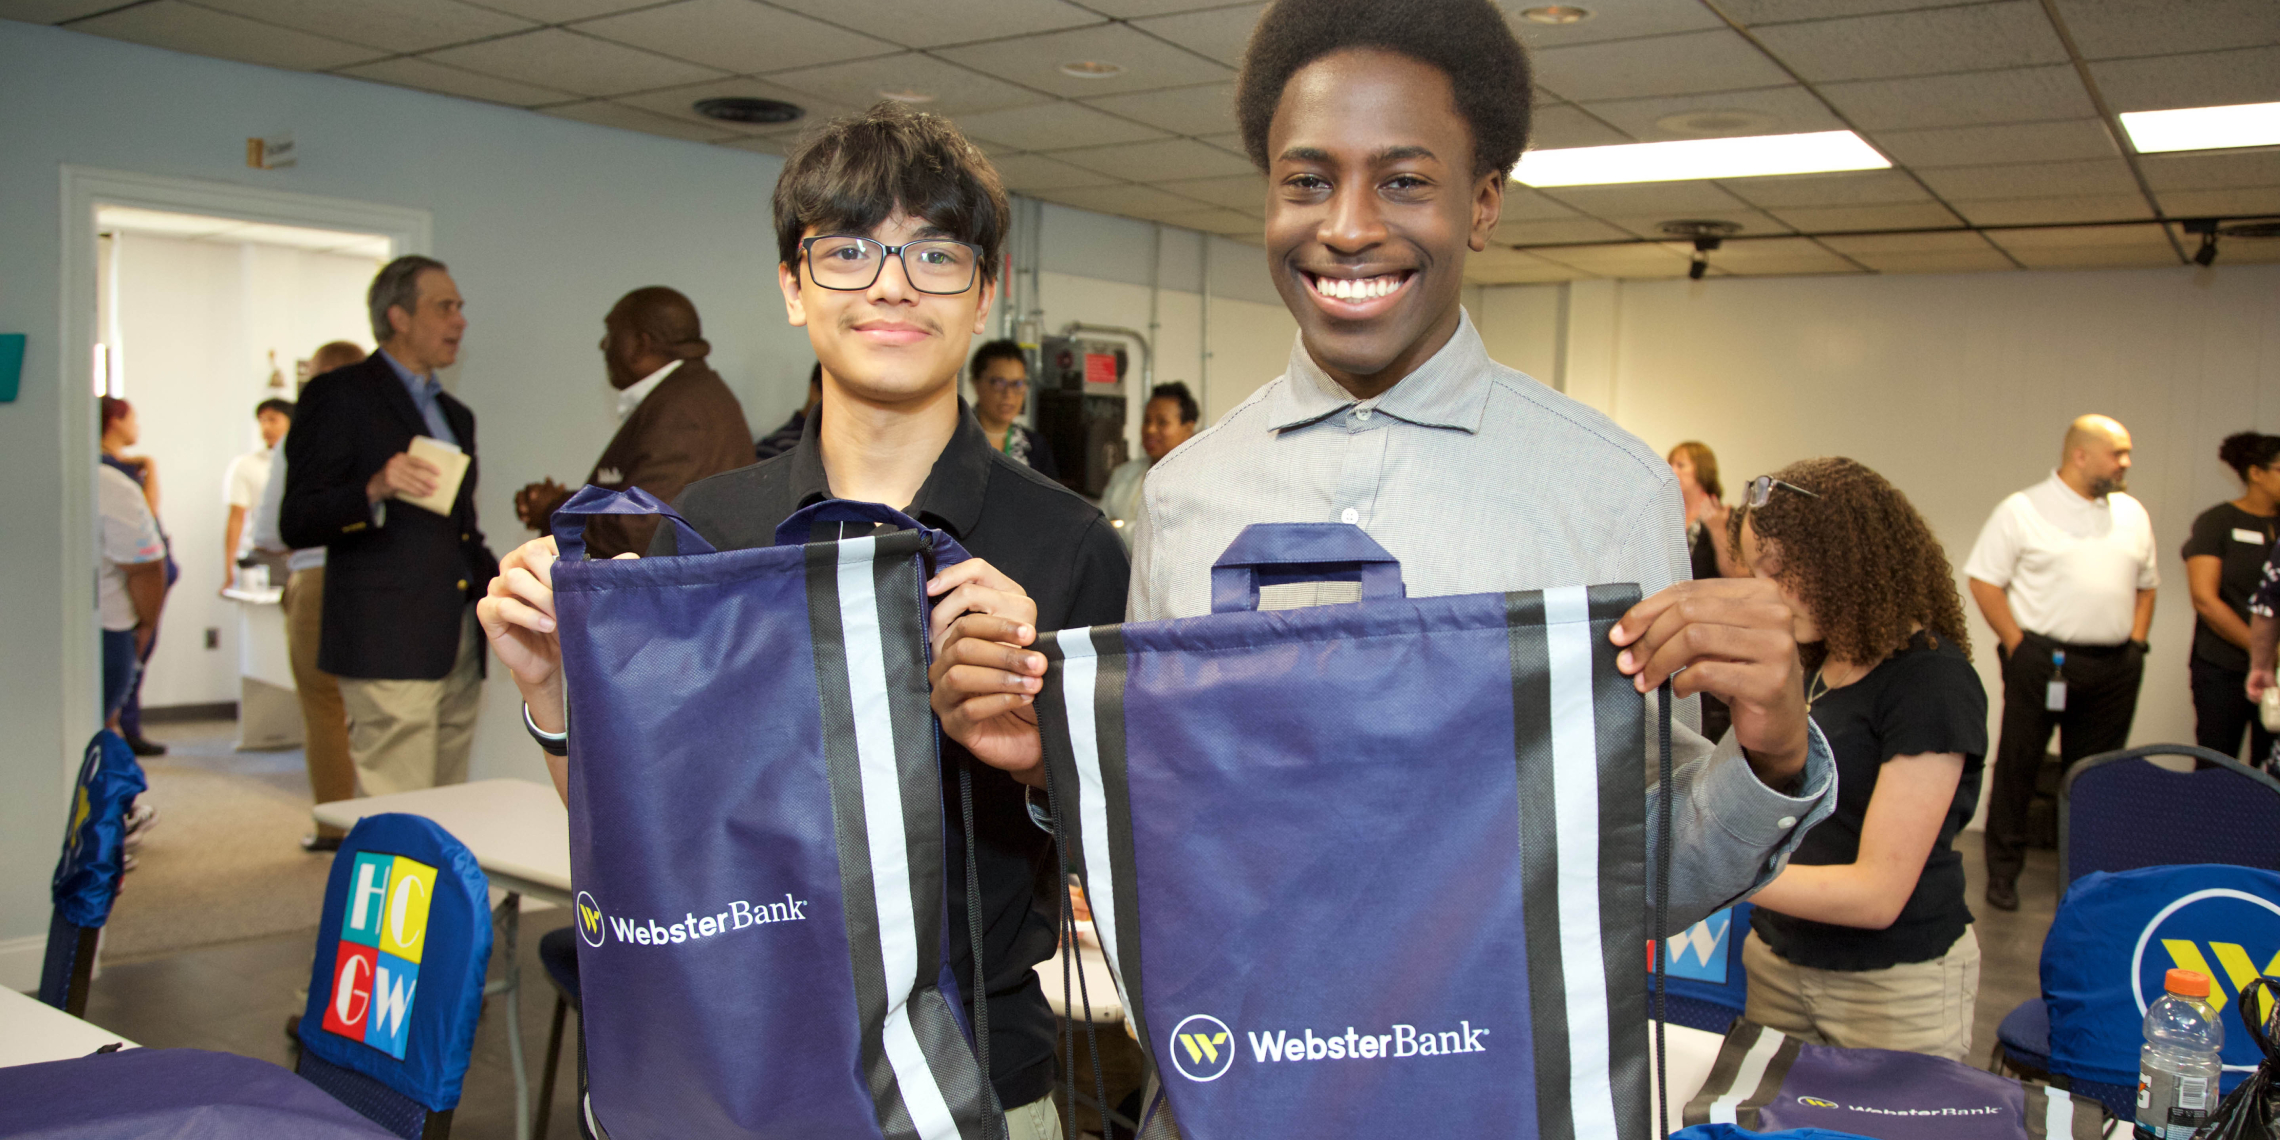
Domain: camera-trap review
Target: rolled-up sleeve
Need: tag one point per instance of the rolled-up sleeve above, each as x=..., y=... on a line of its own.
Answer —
x=1730, y=834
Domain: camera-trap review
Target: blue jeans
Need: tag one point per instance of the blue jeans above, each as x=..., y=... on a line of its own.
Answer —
x=120, y=668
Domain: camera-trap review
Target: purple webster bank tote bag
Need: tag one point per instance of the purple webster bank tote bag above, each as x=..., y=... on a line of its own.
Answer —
x=756, y=835
x=1370, y=869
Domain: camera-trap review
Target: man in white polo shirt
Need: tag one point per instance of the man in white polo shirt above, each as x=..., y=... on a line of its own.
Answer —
x=2063, y=572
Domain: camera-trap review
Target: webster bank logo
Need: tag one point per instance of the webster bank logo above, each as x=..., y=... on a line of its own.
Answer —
x=1204, y=1048
x=2227, y=936
x=589, y=916
x=376, y=973
x=596, y=927
x=1877, y=1110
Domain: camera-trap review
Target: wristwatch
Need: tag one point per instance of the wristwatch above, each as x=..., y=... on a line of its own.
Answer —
x=556, y=743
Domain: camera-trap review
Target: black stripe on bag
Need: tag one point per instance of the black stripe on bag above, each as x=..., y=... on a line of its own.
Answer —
x=1618, y=713
x=844, y=768
x=1776, y=1071
x=1723, y=1070
x=1540, y=860
x=1108, y=731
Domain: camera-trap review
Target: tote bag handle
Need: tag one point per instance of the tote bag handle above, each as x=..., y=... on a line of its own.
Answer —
x=1269, y=554
x=569, y=522
x=799, y=528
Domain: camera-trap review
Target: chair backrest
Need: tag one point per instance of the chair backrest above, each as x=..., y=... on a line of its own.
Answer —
x=1707, y=986
x=2116, y=935
x=398, y=980
x=87, y=873
x=2119, y=812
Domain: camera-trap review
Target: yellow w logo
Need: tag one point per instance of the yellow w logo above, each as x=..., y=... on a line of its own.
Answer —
x=1200, y=1046
x=591, y=917
x=2239, y=968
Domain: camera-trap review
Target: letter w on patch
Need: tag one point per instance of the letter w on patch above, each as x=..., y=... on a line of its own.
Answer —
x=1200, y=1046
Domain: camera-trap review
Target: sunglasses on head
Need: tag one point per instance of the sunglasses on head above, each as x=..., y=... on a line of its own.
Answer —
x=1761, y=489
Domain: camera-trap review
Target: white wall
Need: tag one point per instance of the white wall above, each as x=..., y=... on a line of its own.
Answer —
x=197, y=321
x=1956, y=388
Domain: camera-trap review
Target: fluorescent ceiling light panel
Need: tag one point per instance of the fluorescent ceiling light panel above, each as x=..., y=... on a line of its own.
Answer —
x=2203, y=128
x=1751, y=157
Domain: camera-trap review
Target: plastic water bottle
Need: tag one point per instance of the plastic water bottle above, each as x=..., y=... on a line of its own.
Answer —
x=2180, y=1064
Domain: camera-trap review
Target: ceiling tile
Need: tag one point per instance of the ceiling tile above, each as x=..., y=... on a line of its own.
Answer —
x=552, y=57
x=1030, y=173
x=1522, y=204
x=2019, y=95
x=1533, y=271
x=2101, y=257
x=177, y=26
x=2019, y=241
x=1166, y=159
x=1976, y=38
x=938, y=22
x=1232, y=140
x=1760, y=12
x=2009, y=142
x=1644, y=259
x=2203, y=79
x=601, y=112
x=2053, y=211
x=397, y=25
x=1856, y=245
x=1054, y=126
x=425, y=76
x=2251, y=202
x=1650, y=225
x=1131, y=201
x=735, y=35
x=1563, y=125
x=1035, y=61
x=2111, y=29
x=1212, y=220
x=1247, y=193
x=2211, y=170
x=1205, y=110
x=2032, y=180
x=564, y=11
x=1558, y=231
x=1838, y=219
x=1670, y=199
x=52, y=11
x=1980, y=260
x=1855, y=188
x=956, y=90
x=1137, y=9
x=1220, y=33
x=1778, y=256
x=680, y=103
x=1687, y=63
x=1791, y=109
x=1626, y=19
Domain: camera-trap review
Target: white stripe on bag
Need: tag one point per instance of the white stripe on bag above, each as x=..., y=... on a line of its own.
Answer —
x=1747, y=1077
x=883, y=824
x=1080, y=671
x=2058, y=1115
x=1575, y=800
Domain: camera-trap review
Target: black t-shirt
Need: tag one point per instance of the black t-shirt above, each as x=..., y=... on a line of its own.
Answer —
x=1061, y=550
x=1925, y=698
x=2225, y=531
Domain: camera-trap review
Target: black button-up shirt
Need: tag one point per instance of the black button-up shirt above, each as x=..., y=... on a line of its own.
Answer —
x=1063, y=552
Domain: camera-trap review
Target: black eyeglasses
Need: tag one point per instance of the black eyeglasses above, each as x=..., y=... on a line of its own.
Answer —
x=935, y=265
x=1761, y=489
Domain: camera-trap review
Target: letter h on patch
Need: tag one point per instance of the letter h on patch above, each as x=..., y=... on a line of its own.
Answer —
x=383, y=931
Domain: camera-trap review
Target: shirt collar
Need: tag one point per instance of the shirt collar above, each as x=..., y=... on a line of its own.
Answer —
x=2069, y=494
x=631, y=398
x=955, y=490
x=419, y=386
x=1445, y=391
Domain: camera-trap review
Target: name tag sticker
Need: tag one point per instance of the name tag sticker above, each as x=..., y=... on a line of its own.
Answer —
x=2054, y=697
x=2242, y=534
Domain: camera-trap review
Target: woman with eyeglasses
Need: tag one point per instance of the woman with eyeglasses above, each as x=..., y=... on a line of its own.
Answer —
x=1865, y=941
x=2224, y=560
x=1001, y=387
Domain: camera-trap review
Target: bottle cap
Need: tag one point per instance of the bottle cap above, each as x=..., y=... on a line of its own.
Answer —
x=2187, y=983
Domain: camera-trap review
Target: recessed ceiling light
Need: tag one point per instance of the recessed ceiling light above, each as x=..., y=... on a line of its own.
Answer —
x=1091, y=68
x=742, y=109
x=2203, y=128
x=907, y=96
x=1556, y=14
x=1749, y=157
x=1717, y=124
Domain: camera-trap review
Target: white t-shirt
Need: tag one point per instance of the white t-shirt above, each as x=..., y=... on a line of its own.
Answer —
x=263, y=526
x=130, y=537
x=2071, y=567
x=248, y=474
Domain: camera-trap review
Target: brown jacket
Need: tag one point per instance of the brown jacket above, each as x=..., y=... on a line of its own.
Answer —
x=689, y=427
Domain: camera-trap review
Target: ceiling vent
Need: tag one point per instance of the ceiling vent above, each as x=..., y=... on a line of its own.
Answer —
x=743, y=109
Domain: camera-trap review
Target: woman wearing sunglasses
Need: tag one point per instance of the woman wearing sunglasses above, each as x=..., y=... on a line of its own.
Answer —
x=1865, y=941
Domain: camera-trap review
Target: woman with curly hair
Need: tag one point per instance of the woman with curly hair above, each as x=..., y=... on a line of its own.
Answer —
x=1865, y=941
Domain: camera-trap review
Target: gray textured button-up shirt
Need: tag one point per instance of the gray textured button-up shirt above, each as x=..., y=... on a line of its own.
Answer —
x=1478, y=479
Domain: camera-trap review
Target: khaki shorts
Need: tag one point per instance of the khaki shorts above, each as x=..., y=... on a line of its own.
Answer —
x=1036, y=1120
x=1918, y=1007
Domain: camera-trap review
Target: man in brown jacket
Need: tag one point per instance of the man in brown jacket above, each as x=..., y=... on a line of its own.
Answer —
x=679, y=422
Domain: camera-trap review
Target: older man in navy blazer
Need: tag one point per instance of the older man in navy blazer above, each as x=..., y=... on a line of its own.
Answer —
x=401, y=580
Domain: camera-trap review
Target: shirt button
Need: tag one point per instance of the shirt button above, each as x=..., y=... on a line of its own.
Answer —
x=1361, y=413
x=1350, y=517
x=463, y=586
x=1786, y=822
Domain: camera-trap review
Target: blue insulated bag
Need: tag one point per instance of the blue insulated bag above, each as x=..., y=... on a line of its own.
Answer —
x=756, y=834
x=1369, y=869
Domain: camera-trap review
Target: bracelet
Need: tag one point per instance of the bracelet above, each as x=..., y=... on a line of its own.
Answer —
x=555, y=743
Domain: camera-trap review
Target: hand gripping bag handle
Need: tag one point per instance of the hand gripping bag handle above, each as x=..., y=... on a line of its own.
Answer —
x=799, y=529
x=1270, y=553
x=569, y=521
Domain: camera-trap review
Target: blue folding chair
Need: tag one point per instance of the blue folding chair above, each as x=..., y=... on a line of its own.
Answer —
x=398, y=980
x=87, y=874
x=1707, y=988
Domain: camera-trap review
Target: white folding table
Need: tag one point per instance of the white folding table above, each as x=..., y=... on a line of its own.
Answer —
x=519, y=833
x=32, y=1031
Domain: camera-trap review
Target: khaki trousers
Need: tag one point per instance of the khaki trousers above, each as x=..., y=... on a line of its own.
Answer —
x=407, y=735
x=1917, y=1007
x=1036, y=1120
x=324, y=722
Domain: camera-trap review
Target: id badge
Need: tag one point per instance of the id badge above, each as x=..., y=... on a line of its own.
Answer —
x=2054, y=696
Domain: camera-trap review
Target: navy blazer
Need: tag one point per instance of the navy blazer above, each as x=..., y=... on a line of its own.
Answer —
x=395, y=594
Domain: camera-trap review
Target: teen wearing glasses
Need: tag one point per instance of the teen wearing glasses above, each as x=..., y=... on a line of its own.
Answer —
x=1865, y=941
x=1001, y=387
